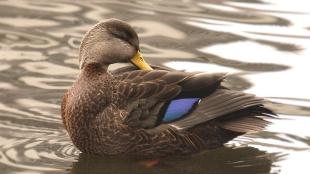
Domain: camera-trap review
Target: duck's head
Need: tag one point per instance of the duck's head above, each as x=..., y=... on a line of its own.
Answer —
x=111, y=41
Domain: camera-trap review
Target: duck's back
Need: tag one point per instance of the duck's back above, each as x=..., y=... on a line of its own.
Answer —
x=194, y=103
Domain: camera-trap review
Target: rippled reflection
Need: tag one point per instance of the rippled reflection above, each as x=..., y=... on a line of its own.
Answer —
x=223, y=160
x=263, y=45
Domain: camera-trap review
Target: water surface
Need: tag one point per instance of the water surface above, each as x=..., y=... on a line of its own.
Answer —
x=264, y=45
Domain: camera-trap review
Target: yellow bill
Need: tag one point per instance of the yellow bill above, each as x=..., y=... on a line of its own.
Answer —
x=140, y=62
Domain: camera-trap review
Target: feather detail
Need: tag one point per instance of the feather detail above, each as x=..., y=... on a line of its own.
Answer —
x=178, y=108
x=245, y=124
x=218, y=104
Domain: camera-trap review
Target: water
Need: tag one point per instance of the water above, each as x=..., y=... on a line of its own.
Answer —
x=264, y=45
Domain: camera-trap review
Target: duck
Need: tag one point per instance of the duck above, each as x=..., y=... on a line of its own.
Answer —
x=149, y=111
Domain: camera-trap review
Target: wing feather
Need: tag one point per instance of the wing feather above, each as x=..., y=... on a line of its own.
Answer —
x=218, y=104
x=159, y=86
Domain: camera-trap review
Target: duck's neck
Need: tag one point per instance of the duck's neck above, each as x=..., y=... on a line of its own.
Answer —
x=95, y=69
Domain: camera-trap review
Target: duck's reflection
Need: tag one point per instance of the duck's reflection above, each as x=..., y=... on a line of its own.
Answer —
x=222, y=160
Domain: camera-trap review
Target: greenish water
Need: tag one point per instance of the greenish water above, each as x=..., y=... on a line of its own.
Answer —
x=264, y=45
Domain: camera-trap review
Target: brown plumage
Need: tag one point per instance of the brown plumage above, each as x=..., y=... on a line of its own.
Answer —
x=121, y=112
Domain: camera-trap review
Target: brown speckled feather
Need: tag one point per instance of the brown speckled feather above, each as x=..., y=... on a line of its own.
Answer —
x=156, y=88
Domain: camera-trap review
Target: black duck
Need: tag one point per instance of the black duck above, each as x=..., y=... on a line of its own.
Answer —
x=150, y=112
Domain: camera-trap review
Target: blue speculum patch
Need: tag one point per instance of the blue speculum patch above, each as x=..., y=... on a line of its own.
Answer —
x=178, y=108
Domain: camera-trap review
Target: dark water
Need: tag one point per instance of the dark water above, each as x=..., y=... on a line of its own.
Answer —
x=264, y=45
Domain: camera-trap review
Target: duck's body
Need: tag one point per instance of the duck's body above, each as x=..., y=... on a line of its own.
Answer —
x=151, y=112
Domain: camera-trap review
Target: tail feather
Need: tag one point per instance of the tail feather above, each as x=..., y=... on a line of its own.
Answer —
x=245, y=124
x=251, y=119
